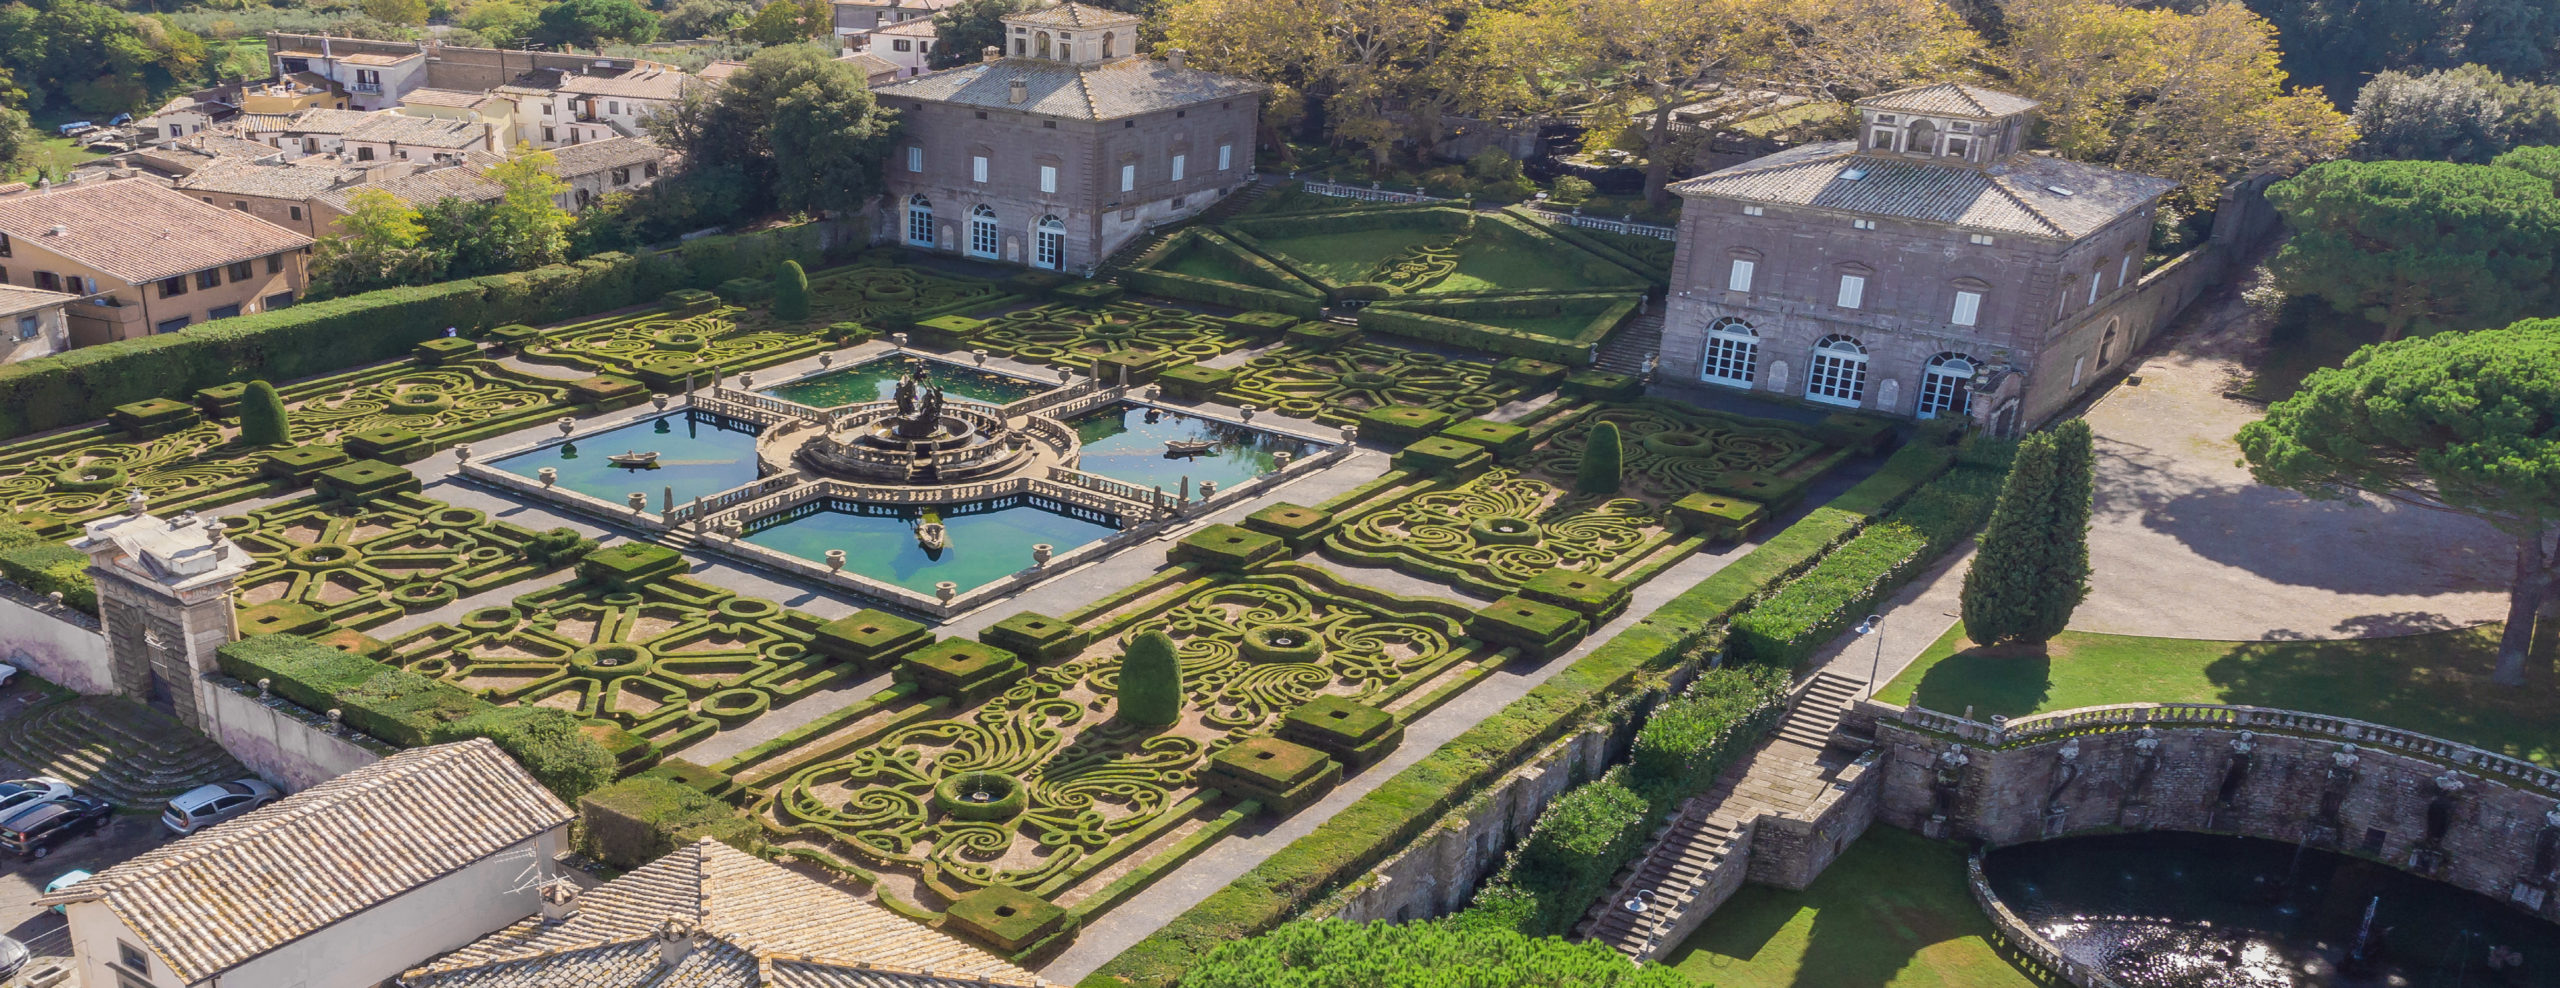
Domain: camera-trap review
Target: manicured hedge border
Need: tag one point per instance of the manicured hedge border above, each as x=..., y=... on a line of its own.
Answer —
x=1407, y=317
x=1402, y=808
x=1226, y=293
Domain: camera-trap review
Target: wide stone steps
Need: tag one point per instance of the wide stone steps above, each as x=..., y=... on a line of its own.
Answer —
x=120, y=751
x=1624, y=350
x=1818, y=715
x=1687, y=856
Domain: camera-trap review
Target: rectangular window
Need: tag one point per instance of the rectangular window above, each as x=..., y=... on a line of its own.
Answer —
x=240, y=204
x=1862, y=224
x=279, y=300
x=613, y=106
x=2077, y=364
x=1968, y=308
x=622, y=176
x=364, y=154
x=900, y=45
x=1177, y=166
x=2096, y=278
x=133, y=958
x=1128, y=178
x=242, y=271
x=549, y=136
x=296, y=211
x=222, y=311
x=26, y=327
x=173, y=287
x=1739, y=280
x=1225, y=152
x=2123, y=270
x=1853, y=291
x=170, y=325
x=915, y=159
x=275, y=264
x=4, y=245
x=977, y=168
x=1980, y=239
x=209, y=278
x=1753, y=211
x=52, y=282
x=1048, y=178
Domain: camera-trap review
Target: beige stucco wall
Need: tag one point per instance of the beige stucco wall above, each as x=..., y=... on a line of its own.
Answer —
x=139, y=308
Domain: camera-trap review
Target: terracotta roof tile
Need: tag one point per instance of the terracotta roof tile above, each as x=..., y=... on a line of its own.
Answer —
x=138, y=231
x=15, y=299
x=1952, y=99
x=1073, y=16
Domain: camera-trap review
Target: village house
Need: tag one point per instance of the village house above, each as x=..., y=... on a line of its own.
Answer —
x=598, y=168
x=1930, y=267
x=599, y=107
x=32, y=323
x=876, y=71
x=856, y=18
x=708, y=916
x=339, y=886
x=296, y=91
x=278, y=192
x=498, y=110
x=160, y=260
x=317, y=130
x=374, y=75
x=1064, y=147
x=905, y=46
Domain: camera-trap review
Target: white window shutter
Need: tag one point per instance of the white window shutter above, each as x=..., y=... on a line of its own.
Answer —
x=1853, y=290
x=1128, y=178
x=1048, y=178
x=1968, y=308
x=977, y=168
x=1740, y=279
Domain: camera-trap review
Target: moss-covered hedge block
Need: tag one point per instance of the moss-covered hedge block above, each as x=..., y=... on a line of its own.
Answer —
x=1401, y=424
x=1437, y=455
x=154, y=417
x=389, y=444
x=606, y=392
x=1777, y=492
x=281, y=617
x=1722, y=517
x=513, y=336
x=630, y=752
x=745, y=291
x=1138, y=366
x=1196, y=382
x=626, y=566
x=1007, y=918
x=1864, y=433
x=1535, y=374
x=1283, y=776
x=869, y=638
x=1353, y=733
x=1036, y=284
x=946, y=331
x=1597, y=597
x=849, y=333
x=446, y=349
x=689, y=301
x=363, y=481
x=1089, y=293
x=299, y=463
x=221, y=401
x=670, y=372
x=711, y=781
x=1259, y=323
x=1321, y=335
x=1540, y=631
x=1503, y=439
x=644, y=818
x=1227, y=547
x=1296, y=525
x=1601, y=385
x=968, y=672
x=1036, y=637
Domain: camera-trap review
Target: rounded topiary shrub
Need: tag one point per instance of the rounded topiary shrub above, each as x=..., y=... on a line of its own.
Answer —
x=1150, y=681
x=1603, y=461
x=262, y=417
x=1676, y=443
x=91, y=477
x=1281, y=643
x=611, y=661
x=982, y=796
x=1504, y=530
x=790, y=291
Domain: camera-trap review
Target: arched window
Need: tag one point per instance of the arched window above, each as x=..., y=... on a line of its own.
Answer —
x=2107, y=344
x=983, y=233
x=1838, y=373
x=1922, y=138
x=1049, y=239
x=585, y=197
x=1733, y=353
x=1108, y=37
x=920, y=220
x=1040, y=44
x=1946, y=387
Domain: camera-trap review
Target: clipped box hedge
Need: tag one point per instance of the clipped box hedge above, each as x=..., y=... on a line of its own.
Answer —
x=631, y=564
x=1227, y=547
x=1193, y=289
x=1195, y=382
x=1442, y=456
x=646, y=817
x=1283, y=776
x=1037, y=637
x=1296, y=525
x=1448, y=321
x=968, y=672
x=868, y=638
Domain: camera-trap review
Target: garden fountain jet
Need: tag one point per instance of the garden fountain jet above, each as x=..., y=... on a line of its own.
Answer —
x=918, y=437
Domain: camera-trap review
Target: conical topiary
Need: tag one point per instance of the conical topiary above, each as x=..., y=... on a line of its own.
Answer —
x=1150, y=681
x=262, y=419
x=790, y=291
x=2032, y=568
x=1603, y=461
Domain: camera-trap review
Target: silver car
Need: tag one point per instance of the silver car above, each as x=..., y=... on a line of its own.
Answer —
x=18, y=794
x=204, y=806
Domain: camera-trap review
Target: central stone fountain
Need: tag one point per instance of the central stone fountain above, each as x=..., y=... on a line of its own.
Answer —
x=921, y=437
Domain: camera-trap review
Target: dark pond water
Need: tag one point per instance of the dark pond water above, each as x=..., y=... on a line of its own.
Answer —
x=877, y=380
x=1126, y=442
x=2170, y=910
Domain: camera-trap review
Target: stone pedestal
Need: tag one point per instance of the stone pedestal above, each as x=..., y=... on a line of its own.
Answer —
x=164, y=603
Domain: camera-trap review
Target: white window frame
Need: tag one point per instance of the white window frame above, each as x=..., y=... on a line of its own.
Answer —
x=1968, y=309
x=1853, y=291
x=2096, y=279
x=1837, y=375
x=915, y=158
x=2123, y=270
x=1048, y=243
x=1732, y=354
x=919, y=221
x=2078, y=364
x=986, y=235
x=1129, y=177
x=1753, y=211
x=1178, y=161
x=1945, y=390
x=1738, y=279
x=1049, y=178
x=1980, y=239
x=1225, y=153
x=978, y=168
x=1862, y=224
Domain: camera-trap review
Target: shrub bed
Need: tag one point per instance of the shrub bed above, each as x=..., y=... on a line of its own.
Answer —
x=1464, y=322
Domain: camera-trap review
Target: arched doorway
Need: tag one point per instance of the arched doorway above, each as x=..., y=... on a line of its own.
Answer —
x=1946, y=386
x=1838, y=372
x=984, y=235
x=2107, y=344
x=1732, y=355
x=920, y=220
x=1049, y=242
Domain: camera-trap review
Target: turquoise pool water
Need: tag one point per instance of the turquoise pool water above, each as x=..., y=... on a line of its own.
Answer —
x=877, y=380
x=1120, y=443
x=989, y=540
x=697, y=455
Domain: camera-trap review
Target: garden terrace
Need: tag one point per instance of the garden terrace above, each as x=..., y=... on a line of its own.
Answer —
x=1672, y=450
x=322, y=563
x=1335, y=386
x=1434, y=250
x=1496, y=532
x=1062, y=335
x=1104, y=805
x=664, y=657
x=880, y=293
x=663, y=348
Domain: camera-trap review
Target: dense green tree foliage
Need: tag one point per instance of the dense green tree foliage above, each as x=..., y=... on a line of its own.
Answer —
x=588, y=23
x=76, y=56
x=262, y=416
x=2461, y=422
x=1604, y=457
x=2421, y=246
x=2467, y=114
x=2338, y=44
x=2032, y=568
x=1330, y=953
x=790, y=291
x=794, y=129
x=966, y=29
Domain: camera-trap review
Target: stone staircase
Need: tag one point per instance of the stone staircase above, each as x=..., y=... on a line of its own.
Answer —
x=1137, y=247
x=113, y=748
x=1702, y=854
x=1624, y=350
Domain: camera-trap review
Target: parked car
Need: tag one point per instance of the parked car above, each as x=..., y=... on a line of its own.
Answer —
x=120, y=120
x=18, y=794
x=13, y=957
x=204, y=806
x=68, y=879
x=34, y=830
x=7, y=673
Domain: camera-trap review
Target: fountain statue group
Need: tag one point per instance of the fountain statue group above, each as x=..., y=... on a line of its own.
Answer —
x=919, y=404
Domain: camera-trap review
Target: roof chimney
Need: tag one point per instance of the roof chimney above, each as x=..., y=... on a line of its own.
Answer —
x=1021, y=90
x=60, y=230
x=675, y=940
x=991, y=54
x=559, y=901
x=1175, y=57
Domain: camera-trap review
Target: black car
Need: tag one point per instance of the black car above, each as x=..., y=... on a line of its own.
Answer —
x=33, y=831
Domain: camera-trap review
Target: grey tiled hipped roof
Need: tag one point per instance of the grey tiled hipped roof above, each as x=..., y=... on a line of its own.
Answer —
x=743, y=915
x=300, y=180
x=1099, y=91
x=1072, y=16
x=594, y=156
x=2025, y=194
x=1953, y=99
x=422, y=189
x=205, y=903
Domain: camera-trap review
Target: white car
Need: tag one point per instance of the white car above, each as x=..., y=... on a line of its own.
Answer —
x=204, y=806
x=18, y=794
x=7, y=673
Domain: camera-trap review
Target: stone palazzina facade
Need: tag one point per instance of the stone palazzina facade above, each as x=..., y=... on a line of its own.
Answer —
x=2478, y=831
x=1059, y=149
x=164, y=603
x=1929, y=268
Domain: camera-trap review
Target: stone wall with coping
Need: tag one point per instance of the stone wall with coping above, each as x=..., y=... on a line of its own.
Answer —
x=53, y=643
x=280, y=741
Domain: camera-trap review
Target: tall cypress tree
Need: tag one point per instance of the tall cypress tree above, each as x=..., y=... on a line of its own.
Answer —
x=2032, y=567
x=1603, y=461
x=262, y=418
x=1150, y=681
x=790, y=292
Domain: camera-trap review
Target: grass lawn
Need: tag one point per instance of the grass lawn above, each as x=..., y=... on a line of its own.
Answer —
x=1342, y=258
x=1209, y=264
x=1562, y=327
x=1891, y=913
x=54, y=155
x=2436, y=683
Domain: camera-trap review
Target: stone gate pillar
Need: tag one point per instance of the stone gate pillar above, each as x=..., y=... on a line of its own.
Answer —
x=164, y=602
